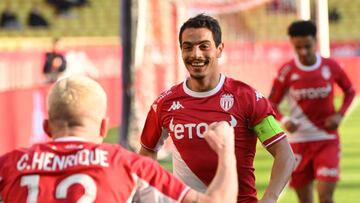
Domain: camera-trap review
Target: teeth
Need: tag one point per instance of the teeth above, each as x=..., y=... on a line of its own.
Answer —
x=198, y=64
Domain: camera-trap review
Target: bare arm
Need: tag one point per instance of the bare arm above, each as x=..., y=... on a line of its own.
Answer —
x=149, y=153
x=284, y=163
x=224, y=186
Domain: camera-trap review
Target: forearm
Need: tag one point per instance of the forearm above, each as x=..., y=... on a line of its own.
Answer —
x=283, y=165
x=224, y=185
x=146, y=152
x=348, y=98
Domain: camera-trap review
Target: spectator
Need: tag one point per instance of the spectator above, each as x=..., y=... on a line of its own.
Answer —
x=9, y=19
x=36, y=19
x=55, y=63
x=63, y=7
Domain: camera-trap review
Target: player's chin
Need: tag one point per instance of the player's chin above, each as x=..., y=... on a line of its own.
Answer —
x=196, y=71
x=197, y=75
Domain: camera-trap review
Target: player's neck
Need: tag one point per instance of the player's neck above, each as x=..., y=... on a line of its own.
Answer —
x=79, y=132
x=309, y=62
x=203, y=85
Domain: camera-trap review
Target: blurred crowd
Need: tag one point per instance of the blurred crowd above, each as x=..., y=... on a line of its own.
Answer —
x=9, y=18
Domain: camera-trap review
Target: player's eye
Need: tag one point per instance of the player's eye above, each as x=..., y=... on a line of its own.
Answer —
x=204, y=46
x=187, y=47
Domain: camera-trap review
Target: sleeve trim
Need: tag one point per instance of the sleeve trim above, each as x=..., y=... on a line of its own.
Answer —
x=274, y=139
x=184, y=193
x=148, y=148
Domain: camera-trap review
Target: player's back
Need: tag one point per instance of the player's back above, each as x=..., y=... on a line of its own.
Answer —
x=71, y=171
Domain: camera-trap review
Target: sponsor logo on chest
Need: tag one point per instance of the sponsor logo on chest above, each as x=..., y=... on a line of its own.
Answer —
x=311, y=93
x=192, y=130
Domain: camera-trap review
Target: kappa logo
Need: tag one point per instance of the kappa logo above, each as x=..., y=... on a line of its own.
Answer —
x=294, y=77
x=258, y=95
x=175, y=106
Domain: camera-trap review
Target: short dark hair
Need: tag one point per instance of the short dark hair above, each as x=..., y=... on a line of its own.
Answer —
x=302, y=28
x=203, y=21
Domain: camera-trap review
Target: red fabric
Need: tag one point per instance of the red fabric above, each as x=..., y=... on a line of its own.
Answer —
x=74, y=169
x=316, y=160
x=311, y=92
x=186, y=117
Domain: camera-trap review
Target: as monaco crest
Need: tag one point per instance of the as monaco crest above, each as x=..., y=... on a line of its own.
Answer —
x=226, y=101
x=325, y=72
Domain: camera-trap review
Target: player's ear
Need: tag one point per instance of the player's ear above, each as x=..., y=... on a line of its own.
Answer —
x=46, y=127
x=220, y=49
x=104, y=127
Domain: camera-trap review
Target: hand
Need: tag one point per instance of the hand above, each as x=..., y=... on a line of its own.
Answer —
x=291, y=126
x=332, y=122
x=220, y=137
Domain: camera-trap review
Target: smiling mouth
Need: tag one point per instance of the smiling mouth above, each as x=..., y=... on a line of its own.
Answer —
x=198, y=64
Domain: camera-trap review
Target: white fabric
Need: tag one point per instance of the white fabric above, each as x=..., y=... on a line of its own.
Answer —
x=183, y=172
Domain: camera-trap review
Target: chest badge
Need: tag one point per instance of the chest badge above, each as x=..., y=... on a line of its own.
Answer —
x=325, y=72
x=226, y=101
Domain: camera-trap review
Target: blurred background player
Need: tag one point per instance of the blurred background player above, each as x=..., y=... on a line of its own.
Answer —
x=77, y=167
x=308, y=82
x=55, y=63
x=186, y=110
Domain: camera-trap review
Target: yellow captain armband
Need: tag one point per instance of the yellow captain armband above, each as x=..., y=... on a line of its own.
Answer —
x=267, y=128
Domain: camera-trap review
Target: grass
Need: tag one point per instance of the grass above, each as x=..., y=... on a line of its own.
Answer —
x=348, y=187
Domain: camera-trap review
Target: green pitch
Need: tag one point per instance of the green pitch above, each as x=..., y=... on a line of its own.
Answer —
x=349, y=185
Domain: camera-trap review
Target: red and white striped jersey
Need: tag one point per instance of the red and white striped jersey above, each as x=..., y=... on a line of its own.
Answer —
x=79, y=171
x=185, y=115
x=310, y=92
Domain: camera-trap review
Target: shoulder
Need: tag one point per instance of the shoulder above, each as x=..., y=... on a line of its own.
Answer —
x=242, y=90
x=331, y=63
x=285, y=69
x=9, y=159
x=169, y=93
x=238, y=87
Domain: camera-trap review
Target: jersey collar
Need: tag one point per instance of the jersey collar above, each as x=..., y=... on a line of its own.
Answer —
x=70, y=139
x=308, y=68
x=207, y=93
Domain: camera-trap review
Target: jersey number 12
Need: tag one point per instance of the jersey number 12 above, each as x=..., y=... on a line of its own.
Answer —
x=32, y=183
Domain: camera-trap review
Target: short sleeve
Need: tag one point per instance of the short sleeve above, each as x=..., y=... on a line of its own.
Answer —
x=341, y=78
x=259, y=107
x=152, y=134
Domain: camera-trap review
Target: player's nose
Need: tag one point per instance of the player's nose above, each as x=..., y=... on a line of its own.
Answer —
x=196, y=52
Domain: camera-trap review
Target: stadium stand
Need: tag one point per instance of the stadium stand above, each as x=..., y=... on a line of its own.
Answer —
x=100, y=18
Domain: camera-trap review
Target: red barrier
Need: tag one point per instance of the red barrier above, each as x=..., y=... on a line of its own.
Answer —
x=22, y=113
